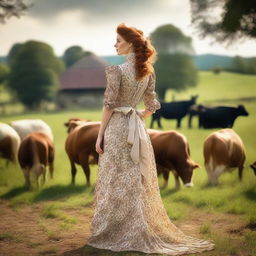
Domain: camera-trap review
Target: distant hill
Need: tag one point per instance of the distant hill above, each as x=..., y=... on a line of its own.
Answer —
x=114, y=60
x=202, y=62
x=209, y=61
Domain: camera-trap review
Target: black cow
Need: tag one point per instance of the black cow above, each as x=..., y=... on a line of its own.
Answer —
x=253, y=166
x=172, y=110
x=220, y=116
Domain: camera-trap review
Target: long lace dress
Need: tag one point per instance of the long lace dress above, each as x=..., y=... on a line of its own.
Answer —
x=129, y=213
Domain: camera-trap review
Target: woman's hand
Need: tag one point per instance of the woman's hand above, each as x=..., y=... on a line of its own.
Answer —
x=99, y=144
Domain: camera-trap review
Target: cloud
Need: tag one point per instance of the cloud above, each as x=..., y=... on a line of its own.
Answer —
x=45, y=9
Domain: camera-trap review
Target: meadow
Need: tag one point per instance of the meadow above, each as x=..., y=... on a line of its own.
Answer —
x=54, y=219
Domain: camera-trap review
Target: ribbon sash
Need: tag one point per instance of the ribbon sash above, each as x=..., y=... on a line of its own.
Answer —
x=138, y=139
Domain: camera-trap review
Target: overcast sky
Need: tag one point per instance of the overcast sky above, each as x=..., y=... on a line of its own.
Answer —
x=92, y=23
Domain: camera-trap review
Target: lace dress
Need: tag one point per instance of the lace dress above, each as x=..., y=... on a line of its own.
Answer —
x=129, y=213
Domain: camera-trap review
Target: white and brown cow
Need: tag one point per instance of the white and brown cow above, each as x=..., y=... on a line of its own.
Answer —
x=36, y=152
x=223, y=150
x=170, y=148
x=27, y=126
x=172, y=153
x=9, y=143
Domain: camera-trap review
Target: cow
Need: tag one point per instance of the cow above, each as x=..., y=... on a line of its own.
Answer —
x=170, y=148
x=9, y=143
x=172, y=153
x=172, y=110
x=218, y=116
x=80, y=146
x=27, y=126
x=253, y=166
x=223, y=150
x=36, y=152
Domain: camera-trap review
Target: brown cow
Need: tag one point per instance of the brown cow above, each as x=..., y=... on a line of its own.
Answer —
x=80, y=146
x=171, y=151
x=223, y=150
x=36, y=152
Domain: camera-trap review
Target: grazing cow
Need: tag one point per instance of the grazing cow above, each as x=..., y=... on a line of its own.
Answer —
x=27, y=126
x=172, y=153
x=36, y=152
x=223, y=150
x=9, y=143
x=80, y=146
x=172, y=110
x=217, y=117
x=253, y=166
x=170, y=148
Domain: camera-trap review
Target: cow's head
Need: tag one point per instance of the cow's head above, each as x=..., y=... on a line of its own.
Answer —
x=193, y=98
x=72, y=123
x=242, y=111
x=253, y=166
x=187, y=172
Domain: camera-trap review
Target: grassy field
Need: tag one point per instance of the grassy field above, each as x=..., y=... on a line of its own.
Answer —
x=225, y=213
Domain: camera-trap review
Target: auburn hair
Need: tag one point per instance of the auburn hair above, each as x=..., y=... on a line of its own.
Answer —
x=145, y=53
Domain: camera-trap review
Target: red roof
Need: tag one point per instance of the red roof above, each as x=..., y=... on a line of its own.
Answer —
x=87, y=73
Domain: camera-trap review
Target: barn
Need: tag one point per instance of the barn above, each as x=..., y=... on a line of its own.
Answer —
x=83, y=84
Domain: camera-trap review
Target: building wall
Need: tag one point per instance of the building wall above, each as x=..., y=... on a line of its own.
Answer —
x=79, y=99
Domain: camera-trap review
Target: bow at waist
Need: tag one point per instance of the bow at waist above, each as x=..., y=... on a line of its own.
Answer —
x=137, y=137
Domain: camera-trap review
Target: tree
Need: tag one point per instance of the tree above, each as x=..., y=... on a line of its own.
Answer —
x=237, y=19
x=12, y=8
x=4, y=72
x=73, y=54
x=174, y=67
x=34, y=73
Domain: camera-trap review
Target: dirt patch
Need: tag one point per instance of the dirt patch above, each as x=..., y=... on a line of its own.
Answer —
x=25, y=232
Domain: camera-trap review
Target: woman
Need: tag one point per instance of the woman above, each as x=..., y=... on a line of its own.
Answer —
x=129, y=213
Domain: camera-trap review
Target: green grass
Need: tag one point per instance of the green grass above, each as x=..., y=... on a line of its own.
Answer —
x=230, y=196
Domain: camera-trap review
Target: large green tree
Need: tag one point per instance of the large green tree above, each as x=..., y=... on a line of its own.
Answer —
x=174, y=66
x=224, y=20
x=73, y=54
x=34, y=73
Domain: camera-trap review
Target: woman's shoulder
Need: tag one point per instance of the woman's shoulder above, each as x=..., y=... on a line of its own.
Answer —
x=112, y=68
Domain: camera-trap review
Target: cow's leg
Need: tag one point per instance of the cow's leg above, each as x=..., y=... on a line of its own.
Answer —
x=165, y=172
x=44, y=174
x=214, y=176
x=190, y=120
x=51, y=161
x=152, y=122
x=240, y=172
x=177, y=181
x=73, y=171
x=51, y=169
x=86, y=168
x=159, y=123
x=178, y=123
x=26, y=173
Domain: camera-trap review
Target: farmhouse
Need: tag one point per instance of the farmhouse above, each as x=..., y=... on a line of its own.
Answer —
x=83, y=84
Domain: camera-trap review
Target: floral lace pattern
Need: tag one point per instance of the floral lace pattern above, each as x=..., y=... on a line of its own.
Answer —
x=124, y=90
x=129, y=213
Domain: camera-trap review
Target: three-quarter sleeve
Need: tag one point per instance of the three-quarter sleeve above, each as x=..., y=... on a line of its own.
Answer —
x=113, y=76
x=150, y=101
